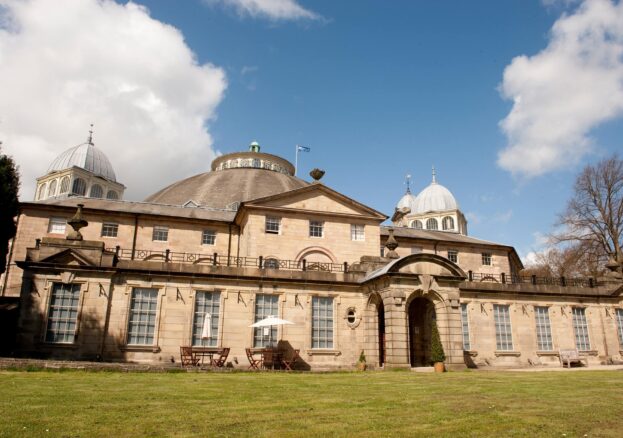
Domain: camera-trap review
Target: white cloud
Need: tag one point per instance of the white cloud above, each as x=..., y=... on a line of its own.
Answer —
x=473, y=218
x=95, y=61
x=564, y=91
x=503, y=217
x=272, y=9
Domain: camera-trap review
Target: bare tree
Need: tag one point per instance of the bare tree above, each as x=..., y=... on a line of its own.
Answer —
x=570, y=260
x=593, y=218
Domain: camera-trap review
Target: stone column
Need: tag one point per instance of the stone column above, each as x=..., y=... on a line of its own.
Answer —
x=396, y=331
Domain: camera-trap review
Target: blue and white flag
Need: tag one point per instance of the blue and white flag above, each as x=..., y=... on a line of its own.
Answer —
x=302, y=148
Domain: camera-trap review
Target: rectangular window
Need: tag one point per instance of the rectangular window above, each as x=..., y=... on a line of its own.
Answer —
x=207, y=306
x=265, y=306
x=57, y=225
x=160, y=234
x=620, y=325
x=453, y=255
x=486, y=258
x=357, y=232
x=63, y=314
x=543, y=329
x=322, y=322
x=580, y=327
x=142, y=321
x=316, y=228
x=208, y=237
x=465, y=325
x=416, y=249
x=109, y=229
x=503, y=335
x=273, y=225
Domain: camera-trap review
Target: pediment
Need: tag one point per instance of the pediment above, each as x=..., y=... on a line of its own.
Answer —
x=317, y=197
x=68, y=257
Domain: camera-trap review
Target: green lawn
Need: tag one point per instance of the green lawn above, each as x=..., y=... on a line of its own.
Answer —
x=405, y=404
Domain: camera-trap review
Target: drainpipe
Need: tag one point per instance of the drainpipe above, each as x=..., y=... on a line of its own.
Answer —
x=9, y=258
x=107, y=317
x=229, y=243
x=134, y=237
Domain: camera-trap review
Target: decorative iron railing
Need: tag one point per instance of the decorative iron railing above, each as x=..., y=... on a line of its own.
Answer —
x=530, y=279
x=216, y=259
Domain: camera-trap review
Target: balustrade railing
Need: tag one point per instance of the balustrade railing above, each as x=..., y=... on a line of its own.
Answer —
x=530, y=279
x=216, y=259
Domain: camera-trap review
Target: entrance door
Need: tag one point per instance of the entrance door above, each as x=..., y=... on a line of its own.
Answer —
x=421, y=317
x=381, y=319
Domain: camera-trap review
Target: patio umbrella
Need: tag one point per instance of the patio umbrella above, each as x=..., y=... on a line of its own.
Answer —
x=206, y=333
x=269, y=322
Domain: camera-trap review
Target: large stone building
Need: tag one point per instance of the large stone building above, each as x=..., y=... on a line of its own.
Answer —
x=248, y=239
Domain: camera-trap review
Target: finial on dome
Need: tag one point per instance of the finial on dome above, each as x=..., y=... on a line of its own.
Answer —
x=90, y=139
x=254, y=146
x=408, y=182
x=434, y=176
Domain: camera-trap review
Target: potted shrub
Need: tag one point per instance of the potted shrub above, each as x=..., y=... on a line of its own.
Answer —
x=361, y=363
x=437, y=354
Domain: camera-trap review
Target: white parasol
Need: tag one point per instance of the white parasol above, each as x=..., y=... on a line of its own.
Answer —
x=269, y=322
x=206, y=332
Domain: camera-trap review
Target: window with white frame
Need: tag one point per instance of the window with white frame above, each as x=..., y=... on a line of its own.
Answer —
x=316, y=228
x=112, y=195
x=79, y=187
x=543, y=329
x=447, y=223
x=63, y=313
x=96, y=191
x=357, y=232
x=64, y=185
x=56, y=225
x=453, y=255
x=206, y=317
x=109, y=229
x=273, y=225
x=486, y=259
x=52, y=188
x=142, y=321
x=265, y=306
x=208, y=237
x=465, y=325
x=160, y=234
x=417, y=224
x=42, y=189
x=322, y=322
x=619, y=313
x=431, y=224
x=580, y=327
x=503, y=332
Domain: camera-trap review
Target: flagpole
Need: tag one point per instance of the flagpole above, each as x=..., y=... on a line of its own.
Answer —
x=296, y=159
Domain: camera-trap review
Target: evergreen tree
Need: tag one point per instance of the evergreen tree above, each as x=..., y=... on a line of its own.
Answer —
x=436, y=348
x=9, y=188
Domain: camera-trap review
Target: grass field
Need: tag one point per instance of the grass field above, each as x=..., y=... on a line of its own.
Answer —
x=405, y=404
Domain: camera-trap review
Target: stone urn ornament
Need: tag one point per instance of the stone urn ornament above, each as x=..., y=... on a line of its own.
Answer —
x=316, y=174
x=77, y=222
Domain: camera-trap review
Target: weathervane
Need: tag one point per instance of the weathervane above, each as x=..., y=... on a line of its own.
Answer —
x=408, y=182
x=434, y=176
x=90, y=139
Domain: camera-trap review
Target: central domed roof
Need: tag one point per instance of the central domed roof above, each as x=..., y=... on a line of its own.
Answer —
x=435, y=197
x=85, y=156
x=236, y=177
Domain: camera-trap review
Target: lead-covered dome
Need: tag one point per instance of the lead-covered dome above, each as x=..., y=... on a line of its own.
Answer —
x=435, y=197
x=406, y=201
x=235, y=178
x=85, y=156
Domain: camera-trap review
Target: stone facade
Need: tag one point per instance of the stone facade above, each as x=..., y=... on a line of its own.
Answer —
x=135, y=289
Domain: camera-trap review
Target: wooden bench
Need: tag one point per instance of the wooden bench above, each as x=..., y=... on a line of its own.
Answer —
x=571, y=356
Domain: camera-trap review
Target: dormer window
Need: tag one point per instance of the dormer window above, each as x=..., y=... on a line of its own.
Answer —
x=431, y=224
x=447, y=223
x=273, y=225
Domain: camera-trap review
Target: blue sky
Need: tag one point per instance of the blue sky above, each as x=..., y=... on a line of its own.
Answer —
x=382, y=89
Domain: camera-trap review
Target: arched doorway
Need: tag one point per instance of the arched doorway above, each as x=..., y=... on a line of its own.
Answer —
x=421, y=317
x=381, y=318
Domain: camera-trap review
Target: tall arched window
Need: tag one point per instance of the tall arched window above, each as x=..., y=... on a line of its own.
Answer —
x=448, y=223
x=96, y=191
x=417, y=224
x=52, y=189
x=64, y=185
x=41, y=192
x=112, y=195
x=431, y=224
x=79, y=187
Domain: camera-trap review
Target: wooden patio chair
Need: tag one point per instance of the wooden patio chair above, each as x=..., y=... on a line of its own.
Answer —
x=289, y=363
x=187, y=357
x=268, y=358
x=255, y=364
x=220, y=361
